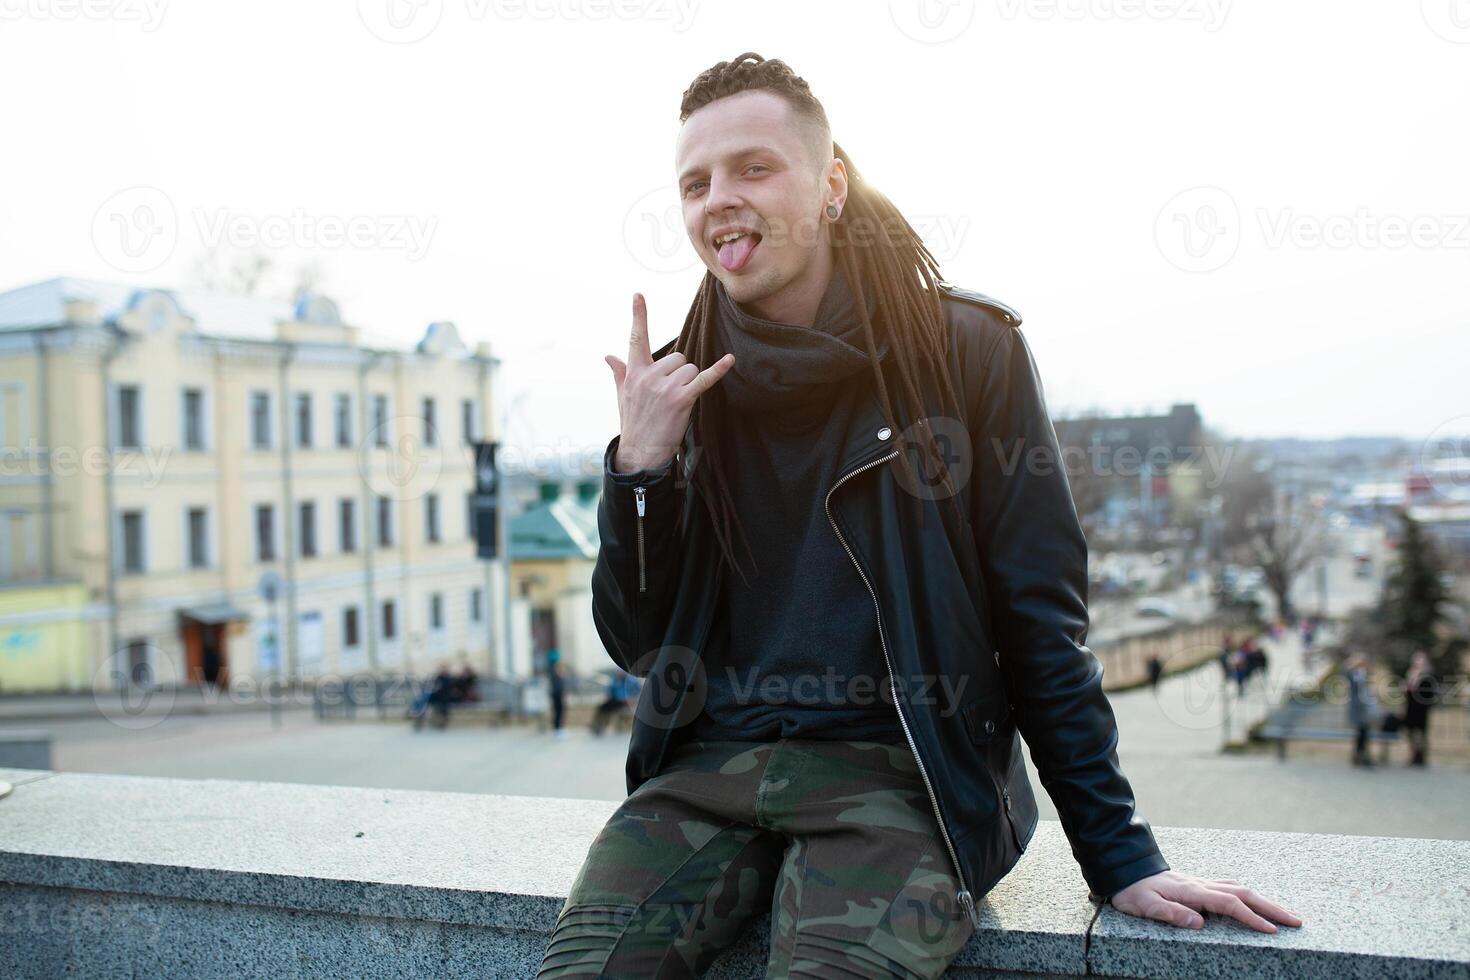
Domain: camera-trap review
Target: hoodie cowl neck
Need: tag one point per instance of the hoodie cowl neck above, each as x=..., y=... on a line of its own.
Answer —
x=787, y=367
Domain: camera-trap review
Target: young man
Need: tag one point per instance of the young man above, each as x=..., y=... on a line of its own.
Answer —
x=837, y=539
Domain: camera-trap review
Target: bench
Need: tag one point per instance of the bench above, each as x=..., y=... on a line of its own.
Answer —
x=1296, y=718
x=499, y=700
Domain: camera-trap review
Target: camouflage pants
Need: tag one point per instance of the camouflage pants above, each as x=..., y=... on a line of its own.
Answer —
x=836, y=839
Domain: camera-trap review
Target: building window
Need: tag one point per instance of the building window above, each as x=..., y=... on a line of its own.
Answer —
x=20, y=545
x=390, y=620
x=429, y=428
x=265, y=532
x=431, y=517
x=303, y=420
x=350, y=631
x=193, y=409
x=343, y=416
x=14, y=430
x=198, y=522
x=380, y=420
x=467, y=419
x=385, y=522
x=129, y=417
x=477, y=611
x=347, y=524
x=307, y=531
x=436, y=611
x=132, y=541
x=260, y=420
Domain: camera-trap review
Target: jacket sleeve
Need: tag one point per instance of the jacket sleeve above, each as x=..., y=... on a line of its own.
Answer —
x=637, y=569
x=1034, y=559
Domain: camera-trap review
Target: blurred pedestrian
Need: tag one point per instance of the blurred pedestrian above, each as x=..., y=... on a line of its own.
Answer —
x=1155, y=670
x=1255, y=660
x=557, y=687
x=1240, y=667
x=620, y=692
x=465, y=690
x=1421, y=692
x=1362, y=706
x=212, y=663
x=441, y=694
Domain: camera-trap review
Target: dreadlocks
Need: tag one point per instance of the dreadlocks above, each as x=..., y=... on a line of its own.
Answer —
x=877, y=248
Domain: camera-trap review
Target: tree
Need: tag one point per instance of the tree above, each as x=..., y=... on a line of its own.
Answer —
x=1413, y=597
x=1269, y=526
x=223, y=270
x=257, y=272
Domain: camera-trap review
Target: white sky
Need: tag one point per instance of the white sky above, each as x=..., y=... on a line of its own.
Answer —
x=1039, y=149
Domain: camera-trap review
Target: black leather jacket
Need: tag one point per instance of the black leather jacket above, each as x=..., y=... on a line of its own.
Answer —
x=1004, y=622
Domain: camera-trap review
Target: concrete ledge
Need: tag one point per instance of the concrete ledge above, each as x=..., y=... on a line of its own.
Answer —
x=126, y=876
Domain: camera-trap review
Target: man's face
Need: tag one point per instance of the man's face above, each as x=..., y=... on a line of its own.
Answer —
x=744, y=164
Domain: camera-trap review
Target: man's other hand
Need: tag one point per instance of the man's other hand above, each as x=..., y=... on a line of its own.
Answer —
x=1178, y=899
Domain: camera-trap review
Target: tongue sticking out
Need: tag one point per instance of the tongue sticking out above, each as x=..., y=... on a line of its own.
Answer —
x=733, y=255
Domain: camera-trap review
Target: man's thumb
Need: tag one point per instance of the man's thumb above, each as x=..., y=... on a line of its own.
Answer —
x=619, y=369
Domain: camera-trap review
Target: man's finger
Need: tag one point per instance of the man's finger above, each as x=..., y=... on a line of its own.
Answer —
x=619, y=369
x=1263, y=905
x=1223, y=903
x=671, y=361
x=638, y=352
x=711, y=375
x=1174, y=914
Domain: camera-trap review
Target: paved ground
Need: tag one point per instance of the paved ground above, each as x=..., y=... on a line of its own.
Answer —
x=1169, y=742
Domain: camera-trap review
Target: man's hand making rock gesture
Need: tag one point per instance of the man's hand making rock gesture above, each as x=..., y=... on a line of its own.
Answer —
x=655, y=398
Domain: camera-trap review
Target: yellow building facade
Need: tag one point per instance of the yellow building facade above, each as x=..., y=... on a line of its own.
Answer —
x=170, y=460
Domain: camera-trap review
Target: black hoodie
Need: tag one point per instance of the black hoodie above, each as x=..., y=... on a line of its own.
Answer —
x=795, y=652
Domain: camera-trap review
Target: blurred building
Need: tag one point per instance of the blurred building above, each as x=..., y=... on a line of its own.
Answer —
x=553, y=548
x=1144, y=468
x=172, y=459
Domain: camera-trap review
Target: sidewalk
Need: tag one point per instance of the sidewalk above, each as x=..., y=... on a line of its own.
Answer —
x=1287, y=669
x=111, y=705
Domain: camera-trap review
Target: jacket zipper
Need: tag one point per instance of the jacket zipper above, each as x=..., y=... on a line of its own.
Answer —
x=640, y=494
x=967, y=901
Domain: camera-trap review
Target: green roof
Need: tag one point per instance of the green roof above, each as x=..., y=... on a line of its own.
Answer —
x=562, y=528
